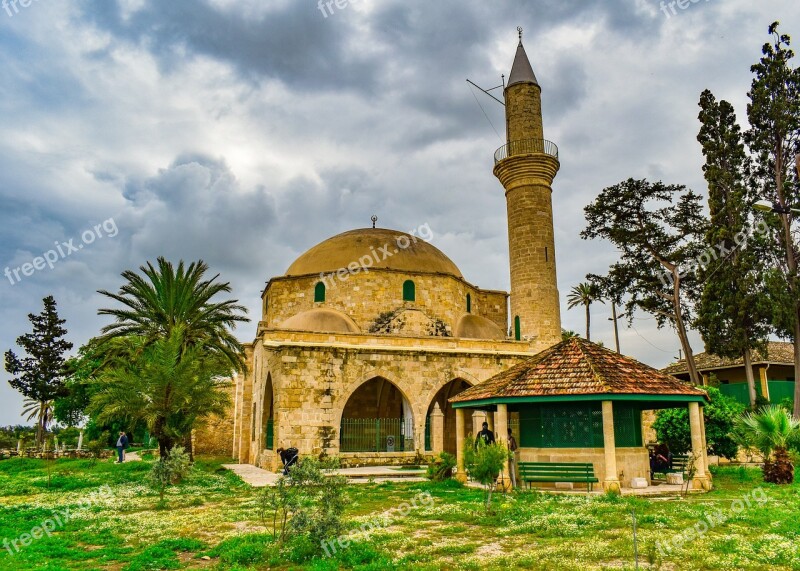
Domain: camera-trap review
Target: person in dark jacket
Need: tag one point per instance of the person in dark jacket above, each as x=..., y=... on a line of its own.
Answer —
x=122, y=444
x=486, y=435
x=289, y=458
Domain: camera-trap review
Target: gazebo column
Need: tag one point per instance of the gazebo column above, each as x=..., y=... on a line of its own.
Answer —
x=437, y=429
x=700, y=479
x=610, y=480
x=501, y=425
x=478, y=418
x=461, y=475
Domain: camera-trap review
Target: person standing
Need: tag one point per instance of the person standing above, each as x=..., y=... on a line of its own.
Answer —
x=512, y=461
x=122, y=444
x=485, y=434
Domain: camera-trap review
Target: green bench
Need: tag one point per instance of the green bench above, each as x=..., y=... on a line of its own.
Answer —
x=576, y=472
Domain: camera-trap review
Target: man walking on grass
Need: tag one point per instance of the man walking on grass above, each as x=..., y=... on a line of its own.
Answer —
x=122, y=444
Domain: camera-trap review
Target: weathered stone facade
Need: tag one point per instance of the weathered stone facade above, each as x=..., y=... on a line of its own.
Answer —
x=306, y=381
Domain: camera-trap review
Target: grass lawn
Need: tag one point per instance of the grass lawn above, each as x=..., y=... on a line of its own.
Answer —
x=211, y=522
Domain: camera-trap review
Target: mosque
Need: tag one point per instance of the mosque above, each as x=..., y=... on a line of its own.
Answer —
x=366, y=340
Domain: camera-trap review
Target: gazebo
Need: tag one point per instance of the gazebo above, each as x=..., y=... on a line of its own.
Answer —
x=580, y=402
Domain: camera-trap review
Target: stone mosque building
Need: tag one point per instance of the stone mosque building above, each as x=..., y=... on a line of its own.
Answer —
x=374, y=347
x=367, y=335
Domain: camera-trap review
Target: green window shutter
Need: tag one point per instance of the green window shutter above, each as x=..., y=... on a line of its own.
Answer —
x=469, y=303
x=409, y=291
x=319, y=292
x=627, y=426
x=517, y=329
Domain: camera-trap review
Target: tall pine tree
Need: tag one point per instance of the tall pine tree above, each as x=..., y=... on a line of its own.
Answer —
x=40, y=374
x=733, y=314
x=774, y=142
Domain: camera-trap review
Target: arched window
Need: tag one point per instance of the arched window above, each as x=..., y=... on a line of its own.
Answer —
x=469, y=303
x=517, y=329
x=319, y=292
x=409, y=291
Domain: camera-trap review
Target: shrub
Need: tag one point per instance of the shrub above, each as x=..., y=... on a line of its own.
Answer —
x=484, y=464
x=672, y=426
x=442, y=467
x=170, y=470
x=308, y=503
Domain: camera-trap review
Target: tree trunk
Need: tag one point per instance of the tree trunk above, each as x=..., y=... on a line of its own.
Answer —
x=614, y=319
x=588, y=323
x=751, y=381
x=680, y=326
x=187, y=444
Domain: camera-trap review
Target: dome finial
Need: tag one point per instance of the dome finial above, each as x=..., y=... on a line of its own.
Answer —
x=519, y=29
x=374, y=220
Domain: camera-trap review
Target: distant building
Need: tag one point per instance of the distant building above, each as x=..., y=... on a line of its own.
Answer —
x=773, y=371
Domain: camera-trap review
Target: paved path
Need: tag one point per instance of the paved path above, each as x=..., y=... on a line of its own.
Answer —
x=258, y=477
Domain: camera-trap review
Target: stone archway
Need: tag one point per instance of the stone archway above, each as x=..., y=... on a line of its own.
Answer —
x=449, y=390
x=377, y=418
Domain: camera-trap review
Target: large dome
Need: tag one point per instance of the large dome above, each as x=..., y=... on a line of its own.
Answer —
x=387, y=249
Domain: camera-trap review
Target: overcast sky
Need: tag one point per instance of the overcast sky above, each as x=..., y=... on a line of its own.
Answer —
x=243, y=132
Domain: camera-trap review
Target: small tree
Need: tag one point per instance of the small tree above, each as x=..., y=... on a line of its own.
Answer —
x=772, y=430
x=40, y=375
x=484, y=464
x=169, y=471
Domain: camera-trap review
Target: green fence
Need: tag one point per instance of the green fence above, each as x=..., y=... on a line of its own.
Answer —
x=778, y=390
x=372, y=435
x=270, y=437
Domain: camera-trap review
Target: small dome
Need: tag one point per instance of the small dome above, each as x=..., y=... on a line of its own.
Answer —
x=477, y=327
x=374, y=248
x=321, y=320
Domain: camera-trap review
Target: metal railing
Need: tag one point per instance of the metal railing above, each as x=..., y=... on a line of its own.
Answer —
x=526, y=147
x=372, y=435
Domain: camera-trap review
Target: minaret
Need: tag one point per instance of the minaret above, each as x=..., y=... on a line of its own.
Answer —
x=526, y=167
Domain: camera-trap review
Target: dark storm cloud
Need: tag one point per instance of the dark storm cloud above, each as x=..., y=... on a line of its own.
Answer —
x=244, y=132
x=294, y=44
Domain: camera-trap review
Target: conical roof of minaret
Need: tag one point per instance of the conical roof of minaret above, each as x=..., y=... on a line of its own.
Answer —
x=521, y=71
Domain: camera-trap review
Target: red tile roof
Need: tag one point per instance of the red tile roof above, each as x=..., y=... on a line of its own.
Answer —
x=578, y=367
x=778, y=353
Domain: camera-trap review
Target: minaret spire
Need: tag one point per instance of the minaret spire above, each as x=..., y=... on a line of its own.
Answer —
x=526, y=167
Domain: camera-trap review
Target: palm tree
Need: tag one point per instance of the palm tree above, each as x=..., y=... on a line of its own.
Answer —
x=772, y=430
x=568, y=334
x=166, y=385
x=43, y=412
x=584, y=294
x=166, y=297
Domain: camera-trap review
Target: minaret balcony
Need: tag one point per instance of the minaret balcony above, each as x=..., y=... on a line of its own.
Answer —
x=526, y=147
